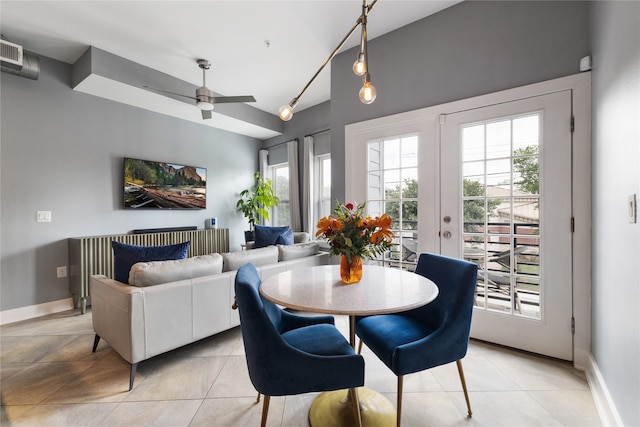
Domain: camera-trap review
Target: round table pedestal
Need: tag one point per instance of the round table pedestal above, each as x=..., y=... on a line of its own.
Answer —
x=333, y=409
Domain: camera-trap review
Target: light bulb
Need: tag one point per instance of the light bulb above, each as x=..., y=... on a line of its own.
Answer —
x=285, y=112
x=367, y=93
x=203, y=105
x=358, y=66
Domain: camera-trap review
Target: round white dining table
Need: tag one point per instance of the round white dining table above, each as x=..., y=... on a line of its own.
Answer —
x=382, y=290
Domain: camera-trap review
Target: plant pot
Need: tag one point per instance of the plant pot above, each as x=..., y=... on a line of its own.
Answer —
x=249, y=236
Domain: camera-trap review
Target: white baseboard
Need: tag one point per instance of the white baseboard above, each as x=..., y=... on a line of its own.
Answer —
x=606, y=407
x=32, y=311
x=581, y=359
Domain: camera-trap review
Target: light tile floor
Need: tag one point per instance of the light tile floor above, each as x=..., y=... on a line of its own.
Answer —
x=49, y=376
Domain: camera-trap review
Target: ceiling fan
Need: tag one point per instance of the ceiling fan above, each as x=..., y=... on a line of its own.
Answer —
x=204, y=96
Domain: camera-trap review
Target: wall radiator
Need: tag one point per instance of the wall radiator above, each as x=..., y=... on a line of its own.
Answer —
x=93, y=255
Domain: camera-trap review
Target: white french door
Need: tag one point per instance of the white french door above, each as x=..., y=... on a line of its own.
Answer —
x=506, y=205
x=493, y=179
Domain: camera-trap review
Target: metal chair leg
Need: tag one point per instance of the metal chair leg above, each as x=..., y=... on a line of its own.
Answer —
x=265, y=410
x=355, y=402
x=96, y=340
x=464, y=386
x=399, y=401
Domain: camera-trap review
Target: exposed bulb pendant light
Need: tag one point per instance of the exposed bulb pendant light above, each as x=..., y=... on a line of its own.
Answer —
x=286, y=111
x=368, y=92
x=360, y=67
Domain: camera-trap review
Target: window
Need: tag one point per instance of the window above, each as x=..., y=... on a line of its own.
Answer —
x=280, y=215
x=323, y=205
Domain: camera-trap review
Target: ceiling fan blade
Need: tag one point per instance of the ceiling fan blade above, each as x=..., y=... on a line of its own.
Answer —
x=229, y=99
x=171, y=93
x=206, y=114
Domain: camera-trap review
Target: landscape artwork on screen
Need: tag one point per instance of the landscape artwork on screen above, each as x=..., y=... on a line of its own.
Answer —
x=156, y=185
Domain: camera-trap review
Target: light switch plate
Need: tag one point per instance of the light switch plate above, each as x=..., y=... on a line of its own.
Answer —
x=633, y=209
x=43, y=216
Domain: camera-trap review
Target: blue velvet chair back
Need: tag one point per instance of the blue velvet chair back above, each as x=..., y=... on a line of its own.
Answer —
x=276, y=367
x=451, y=311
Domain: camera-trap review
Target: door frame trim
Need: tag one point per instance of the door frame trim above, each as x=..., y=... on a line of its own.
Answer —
x=427, y=121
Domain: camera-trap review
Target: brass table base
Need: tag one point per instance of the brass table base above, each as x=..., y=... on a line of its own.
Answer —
x=333, y=409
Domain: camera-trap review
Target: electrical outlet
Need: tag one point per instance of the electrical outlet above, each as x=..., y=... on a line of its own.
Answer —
x=61, y=271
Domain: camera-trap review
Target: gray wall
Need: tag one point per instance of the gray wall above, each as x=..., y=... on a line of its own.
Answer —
x=615, y=34
x=472, y=48
x=303, y=123
x=62, y=151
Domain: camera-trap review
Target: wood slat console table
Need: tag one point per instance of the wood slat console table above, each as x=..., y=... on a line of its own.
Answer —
x=93, y=255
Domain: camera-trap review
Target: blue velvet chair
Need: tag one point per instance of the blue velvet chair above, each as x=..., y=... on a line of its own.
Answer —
x=289, y=354
x=429, y=336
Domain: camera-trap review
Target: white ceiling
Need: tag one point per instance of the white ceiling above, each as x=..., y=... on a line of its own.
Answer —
x=269, y=49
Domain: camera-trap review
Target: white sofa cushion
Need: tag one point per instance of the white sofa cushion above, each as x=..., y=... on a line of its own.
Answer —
x=261, y=256
x=299, y=250
x=156, y=272
x=301, y=237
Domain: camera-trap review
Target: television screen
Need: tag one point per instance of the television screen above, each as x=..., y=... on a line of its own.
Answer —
x=156, y=185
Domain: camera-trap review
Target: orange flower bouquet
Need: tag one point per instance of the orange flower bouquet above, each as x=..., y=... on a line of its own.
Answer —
x=353, y=236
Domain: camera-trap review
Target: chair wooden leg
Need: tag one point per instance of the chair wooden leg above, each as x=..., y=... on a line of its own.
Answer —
x=360, y=347
x=355, y=401
x=258, y=398
x=399, y=401
x=464, y=386
x=265, y=410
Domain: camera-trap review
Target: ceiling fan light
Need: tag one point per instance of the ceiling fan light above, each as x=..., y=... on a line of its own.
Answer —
x=204, y=105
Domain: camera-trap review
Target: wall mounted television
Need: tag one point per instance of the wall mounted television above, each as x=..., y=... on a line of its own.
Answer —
x=150, y=184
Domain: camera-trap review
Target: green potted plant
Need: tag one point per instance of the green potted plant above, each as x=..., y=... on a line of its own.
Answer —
x=255, y=203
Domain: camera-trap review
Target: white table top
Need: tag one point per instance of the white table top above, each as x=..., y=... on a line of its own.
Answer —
x=382, y=290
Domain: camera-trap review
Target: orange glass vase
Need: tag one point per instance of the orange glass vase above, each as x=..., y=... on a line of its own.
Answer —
x=350, y=272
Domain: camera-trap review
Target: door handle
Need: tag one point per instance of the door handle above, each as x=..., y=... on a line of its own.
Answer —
x=446, y=234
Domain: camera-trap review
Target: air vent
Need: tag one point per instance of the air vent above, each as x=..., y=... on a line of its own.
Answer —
x=11, y=54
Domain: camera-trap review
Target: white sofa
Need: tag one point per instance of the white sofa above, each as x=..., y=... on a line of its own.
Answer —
x=168, y=304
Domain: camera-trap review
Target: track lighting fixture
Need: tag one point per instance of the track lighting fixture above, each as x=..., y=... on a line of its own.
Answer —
x=367, y=93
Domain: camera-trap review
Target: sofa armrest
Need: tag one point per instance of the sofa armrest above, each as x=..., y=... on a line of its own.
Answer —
x=117, y=311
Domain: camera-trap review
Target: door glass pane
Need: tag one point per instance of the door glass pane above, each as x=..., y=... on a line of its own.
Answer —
x=392, y=188
x=473, y=143
x=409, y=149
x=499, y=175
x=499, y=139
x=501, y=212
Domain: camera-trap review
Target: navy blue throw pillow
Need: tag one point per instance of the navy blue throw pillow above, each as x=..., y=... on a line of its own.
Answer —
x=285, y=238
x=124, y=256
x=267, y=236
